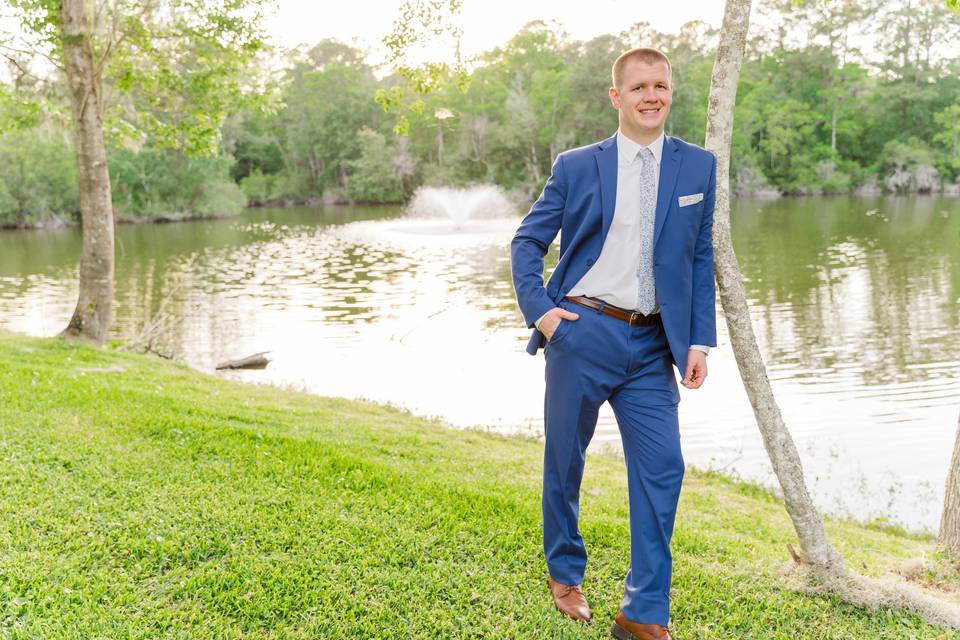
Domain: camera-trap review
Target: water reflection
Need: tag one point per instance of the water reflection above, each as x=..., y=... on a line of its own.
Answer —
x=855, y=302
x=860, y=285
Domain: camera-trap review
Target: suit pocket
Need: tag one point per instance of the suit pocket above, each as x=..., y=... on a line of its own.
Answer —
x=689, y=200
x=560, y=332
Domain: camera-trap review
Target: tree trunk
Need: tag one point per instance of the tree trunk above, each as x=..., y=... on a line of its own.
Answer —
x=439, y=144
x=949, y=537
x=833, y=129
x=534, y=165
x=94, y=311
x=779, y=444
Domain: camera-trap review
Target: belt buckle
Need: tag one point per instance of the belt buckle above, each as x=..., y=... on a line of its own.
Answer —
x=634, y=314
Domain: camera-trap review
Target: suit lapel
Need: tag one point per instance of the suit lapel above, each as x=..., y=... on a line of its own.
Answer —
x=607, y=166
x=669, y=170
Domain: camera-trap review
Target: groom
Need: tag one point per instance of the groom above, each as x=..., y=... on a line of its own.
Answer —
x=631, y=296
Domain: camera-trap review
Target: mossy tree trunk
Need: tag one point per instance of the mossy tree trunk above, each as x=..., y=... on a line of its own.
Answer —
x=779, y=444
x=94, y=311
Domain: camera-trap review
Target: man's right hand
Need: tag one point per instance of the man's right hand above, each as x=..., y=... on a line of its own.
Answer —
x=551, y=320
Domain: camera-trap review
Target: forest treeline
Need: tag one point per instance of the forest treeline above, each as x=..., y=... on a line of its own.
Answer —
x=834, y=97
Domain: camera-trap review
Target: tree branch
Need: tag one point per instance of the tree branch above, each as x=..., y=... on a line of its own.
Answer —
x=33, y=52
x=23, y=70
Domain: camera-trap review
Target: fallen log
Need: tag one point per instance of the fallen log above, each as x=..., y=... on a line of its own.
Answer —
x=256, y=361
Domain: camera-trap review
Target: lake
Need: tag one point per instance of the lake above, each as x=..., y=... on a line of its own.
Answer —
x=855, y=301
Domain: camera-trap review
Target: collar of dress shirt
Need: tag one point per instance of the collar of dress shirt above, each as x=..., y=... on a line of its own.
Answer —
x=628, y=149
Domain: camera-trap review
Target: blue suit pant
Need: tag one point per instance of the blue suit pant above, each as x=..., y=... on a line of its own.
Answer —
x=589, y=361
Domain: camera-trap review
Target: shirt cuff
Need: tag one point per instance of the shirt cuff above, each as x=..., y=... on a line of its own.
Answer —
x=537, y=322
x=699, y=347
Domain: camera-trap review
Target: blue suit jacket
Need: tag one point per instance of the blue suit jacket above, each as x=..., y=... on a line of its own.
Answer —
x=578, y=202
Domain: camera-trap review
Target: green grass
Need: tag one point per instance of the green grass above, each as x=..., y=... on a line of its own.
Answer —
x=156, y=502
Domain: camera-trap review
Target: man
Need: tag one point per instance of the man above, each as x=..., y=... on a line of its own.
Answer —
x=632, y=295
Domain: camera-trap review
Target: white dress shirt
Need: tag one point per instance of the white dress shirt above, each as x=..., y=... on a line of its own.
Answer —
x=614, y=277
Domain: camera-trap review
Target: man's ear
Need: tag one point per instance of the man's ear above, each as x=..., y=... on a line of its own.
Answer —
x=615, y=98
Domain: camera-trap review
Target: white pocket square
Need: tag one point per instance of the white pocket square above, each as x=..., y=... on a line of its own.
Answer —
x=693, y=198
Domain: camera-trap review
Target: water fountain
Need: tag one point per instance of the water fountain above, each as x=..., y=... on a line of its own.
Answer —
x=460, y=205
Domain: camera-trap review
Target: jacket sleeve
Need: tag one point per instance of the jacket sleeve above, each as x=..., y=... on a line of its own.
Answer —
x=531, y=242
x=703, y=322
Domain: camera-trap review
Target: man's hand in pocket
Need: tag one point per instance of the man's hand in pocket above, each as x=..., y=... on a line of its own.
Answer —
x=551, y=320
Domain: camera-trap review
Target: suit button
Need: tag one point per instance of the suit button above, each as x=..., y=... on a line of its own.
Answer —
x=590, y=262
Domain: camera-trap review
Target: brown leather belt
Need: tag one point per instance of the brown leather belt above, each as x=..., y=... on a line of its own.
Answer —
x=633, y=318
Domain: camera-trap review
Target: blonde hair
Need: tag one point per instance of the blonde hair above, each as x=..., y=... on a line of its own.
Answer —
x=643, y=54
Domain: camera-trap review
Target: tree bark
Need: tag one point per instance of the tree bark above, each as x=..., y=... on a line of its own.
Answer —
x=833, y=128
x=779, y=444
x=949, y=537
x=440, y=143
x=94, y=311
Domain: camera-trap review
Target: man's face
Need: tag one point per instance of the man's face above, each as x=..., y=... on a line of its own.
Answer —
x=644, y=98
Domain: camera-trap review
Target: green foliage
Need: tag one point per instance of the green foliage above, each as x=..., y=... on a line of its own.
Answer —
x=40, y=17
x=38, y=178
x=948, y=139
x=8, y=206
x=257, y=187
x=160, y=502
x=327, y=104
x=186, y=70
x=253, y=139
x=17, y=111
x=812, y=117
x=168, y=74
x=219, y=197
x=421, y=22
x=906, y=154
x=813, y=114
x=158, y=182
x=175, y=69
x=293, y=184
x=591, y=115
x=374, y=176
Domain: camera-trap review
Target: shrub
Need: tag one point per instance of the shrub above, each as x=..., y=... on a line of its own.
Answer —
x=257, y=187
x=375, y=175
x=163, y=182
x=39, y=176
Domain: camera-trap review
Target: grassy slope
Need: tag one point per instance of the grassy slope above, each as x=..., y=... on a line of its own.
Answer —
x=159, y=502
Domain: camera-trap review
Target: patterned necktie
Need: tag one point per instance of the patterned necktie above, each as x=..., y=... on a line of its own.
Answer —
x=646, y=291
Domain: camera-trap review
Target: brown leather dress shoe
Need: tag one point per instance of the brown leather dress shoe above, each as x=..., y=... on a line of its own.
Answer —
x=570, y=600
x=626, y=629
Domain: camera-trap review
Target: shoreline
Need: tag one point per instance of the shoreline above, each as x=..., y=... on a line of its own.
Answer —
x=56, y=222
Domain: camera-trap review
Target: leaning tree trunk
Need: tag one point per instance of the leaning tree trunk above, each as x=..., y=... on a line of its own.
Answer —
x=816, y=549
x=820, y=556
x=949, y=537
x=95, y=302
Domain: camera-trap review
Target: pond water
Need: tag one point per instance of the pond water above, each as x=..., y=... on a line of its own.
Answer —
x=855, y=301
